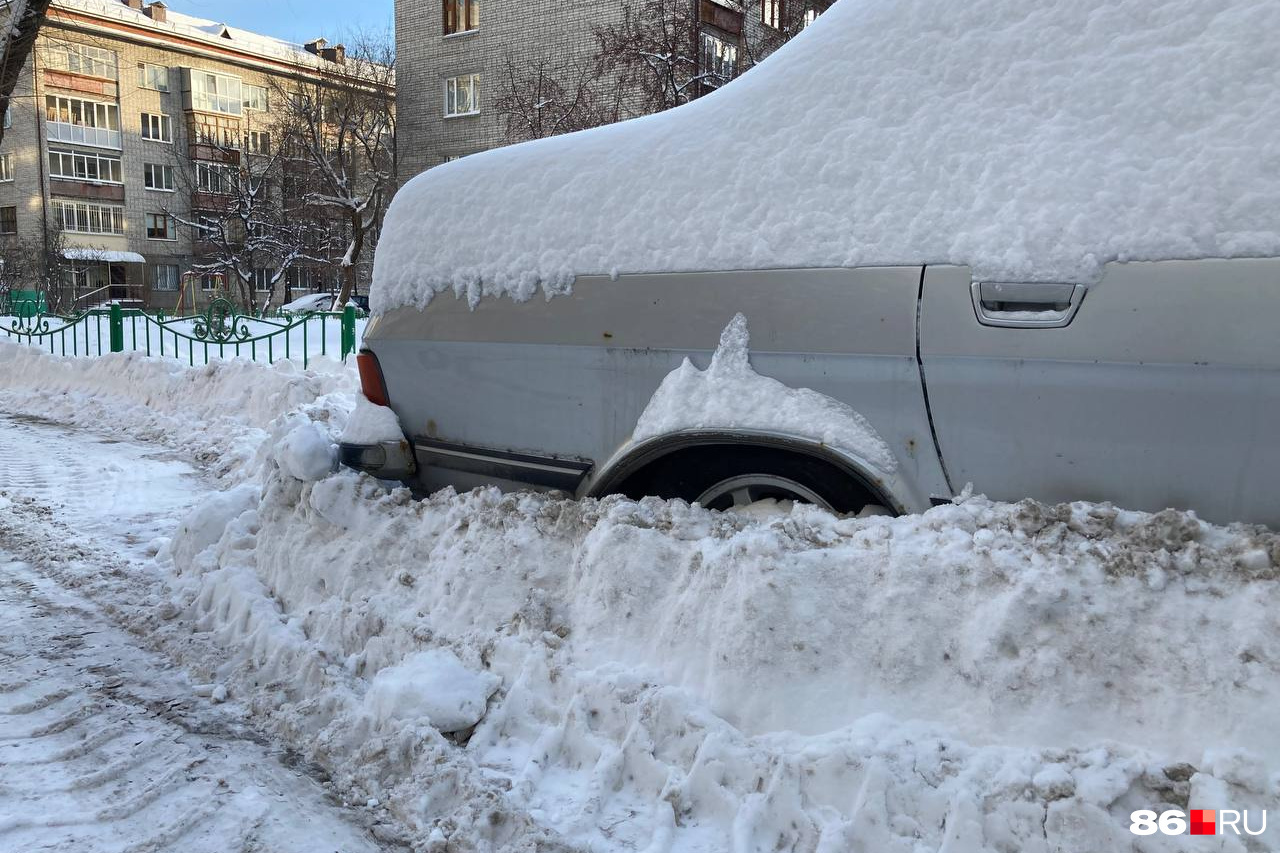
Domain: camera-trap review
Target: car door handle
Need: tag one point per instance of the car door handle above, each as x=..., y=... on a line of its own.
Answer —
x=1029, y=305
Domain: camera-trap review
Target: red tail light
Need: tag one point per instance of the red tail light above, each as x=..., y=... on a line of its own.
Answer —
x=371, y=381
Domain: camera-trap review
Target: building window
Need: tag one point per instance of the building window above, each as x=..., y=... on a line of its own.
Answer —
x=83, y=122
x=8, y=117
x=810, y=16
x=215, y=178
x=771, y=13
x=78, y=166
x=262, y=280
x=153, y=77
x=255, y=98
x=82, y=59
x=161, y=226
x=210, y=281
x=215, y=130
x=258, y=142
x=6, y=168
x=461, y=16
x=164, y=276
x=306, y=278
x=157, y=176
x=462, y=95
x=157, y=128
x=216, y=93
x=85, y=218
x=8, y=220
x=719, y=58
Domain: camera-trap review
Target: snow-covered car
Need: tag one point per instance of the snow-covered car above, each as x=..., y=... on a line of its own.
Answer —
x=965, y=252
x=310, y=302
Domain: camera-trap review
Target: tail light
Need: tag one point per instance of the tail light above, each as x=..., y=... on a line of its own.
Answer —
x=371, y=381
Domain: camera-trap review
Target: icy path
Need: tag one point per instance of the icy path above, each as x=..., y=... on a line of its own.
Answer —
x=103, y=745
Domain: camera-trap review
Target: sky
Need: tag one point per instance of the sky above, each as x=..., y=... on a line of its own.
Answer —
x=293, y=20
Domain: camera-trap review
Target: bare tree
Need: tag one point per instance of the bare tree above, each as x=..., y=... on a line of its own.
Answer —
x=242, y=225
x=22, y=21
x=340, y=130
x=547, y=97
x=657, y=50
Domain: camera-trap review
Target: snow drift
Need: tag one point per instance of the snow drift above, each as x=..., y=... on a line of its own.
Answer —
x=1032, y=141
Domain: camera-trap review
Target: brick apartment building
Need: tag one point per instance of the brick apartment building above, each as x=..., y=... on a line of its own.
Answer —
x=118, y=101
x=452, y=63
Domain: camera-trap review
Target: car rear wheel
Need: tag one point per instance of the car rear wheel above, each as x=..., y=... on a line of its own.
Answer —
x=733, y=476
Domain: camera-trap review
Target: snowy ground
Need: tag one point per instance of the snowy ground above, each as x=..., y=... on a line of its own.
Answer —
x=488, y=672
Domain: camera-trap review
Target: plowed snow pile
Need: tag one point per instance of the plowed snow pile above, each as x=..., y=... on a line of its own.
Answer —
x=525, y=673
x=1030, y=140
x=521, y=673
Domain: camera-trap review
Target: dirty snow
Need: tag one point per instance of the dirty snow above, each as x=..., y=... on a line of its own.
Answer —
x=490, y=672
x=1032, y=141
x=729, y=394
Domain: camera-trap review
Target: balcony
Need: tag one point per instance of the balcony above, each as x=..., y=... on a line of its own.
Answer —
x=79, y=134
x=86, y=189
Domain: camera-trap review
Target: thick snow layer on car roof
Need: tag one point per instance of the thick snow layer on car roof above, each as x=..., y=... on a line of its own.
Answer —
x=1032, y=141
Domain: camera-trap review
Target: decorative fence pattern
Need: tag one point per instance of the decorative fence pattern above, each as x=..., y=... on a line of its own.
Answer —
x=220, y=332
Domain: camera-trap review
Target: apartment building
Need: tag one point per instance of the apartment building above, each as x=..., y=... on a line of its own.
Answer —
x=129, y=118
x=454, y=65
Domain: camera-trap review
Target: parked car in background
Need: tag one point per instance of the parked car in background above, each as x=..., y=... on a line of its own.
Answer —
x=309, y=302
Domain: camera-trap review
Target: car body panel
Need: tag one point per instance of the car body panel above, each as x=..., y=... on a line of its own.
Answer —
x=1162, y=391
x=568, y=377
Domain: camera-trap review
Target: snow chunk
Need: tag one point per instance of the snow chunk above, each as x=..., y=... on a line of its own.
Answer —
x=432, y=684
x=306, y=452
x=371, y=424
x=731, y=395
x=1030, y=141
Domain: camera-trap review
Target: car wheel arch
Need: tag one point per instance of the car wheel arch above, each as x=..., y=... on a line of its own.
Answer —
x=630, y=464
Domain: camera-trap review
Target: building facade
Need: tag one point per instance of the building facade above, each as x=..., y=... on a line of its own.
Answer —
x=460, y=73
x=127, y=122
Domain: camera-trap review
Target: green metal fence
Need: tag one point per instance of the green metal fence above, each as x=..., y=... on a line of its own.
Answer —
x=220, y=332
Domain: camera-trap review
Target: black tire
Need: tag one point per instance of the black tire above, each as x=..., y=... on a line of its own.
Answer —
x=689, y=472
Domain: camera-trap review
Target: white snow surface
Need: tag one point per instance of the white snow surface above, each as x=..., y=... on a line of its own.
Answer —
x=1032, y=141
x=433, y=686
x=729, y=394
x=370, y=424
x=654, y=676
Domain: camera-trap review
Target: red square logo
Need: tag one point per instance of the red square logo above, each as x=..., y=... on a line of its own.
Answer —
x=1202, y=822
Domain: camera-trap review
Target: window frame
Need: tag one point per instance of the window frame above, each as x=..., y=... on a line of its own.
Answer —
x=246, y=88
x=451, y=95
x=90, y=210
x=155, y=278
x=254, y=141
x=204, y=101
x=85, y=53
x=148, y=174
x=707, y=38
x=9, y=217
x=85, y=156
x=455, y=24
x=166, y=124
x=775, y=7
x=143, y=77
x=171, y=226
x=6, y=168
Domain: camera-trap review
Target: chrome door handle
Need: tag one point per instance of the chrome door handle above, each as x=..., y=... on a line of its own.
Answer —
x=1031, y=305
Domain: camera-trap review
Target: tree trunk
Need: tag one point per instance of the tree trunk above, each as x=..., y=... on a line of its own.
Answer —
x=349, y=262
x=17, y=48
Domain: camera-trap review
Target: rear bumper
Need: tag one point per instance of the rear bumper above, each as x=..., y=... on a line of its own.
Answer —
x=386, y=460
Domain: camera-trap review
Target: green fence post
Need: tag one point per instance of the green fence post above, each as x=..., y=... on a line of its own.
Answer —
x=348, y=331
x=116, y=325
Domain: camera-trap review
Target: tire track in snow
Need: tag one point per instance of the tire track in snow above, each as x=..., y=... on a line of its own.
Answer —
x=104, y=748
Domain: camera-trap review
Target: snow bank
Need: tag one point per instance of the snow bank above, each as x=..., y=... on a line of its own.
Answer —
x=219, y=414
x=729, y=394
x=371, y=424
x=984, y=677
x=1030, y=141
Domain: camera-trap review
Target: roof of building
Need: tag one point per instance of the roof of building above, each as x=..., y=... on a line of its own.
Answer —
x=215, y=33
